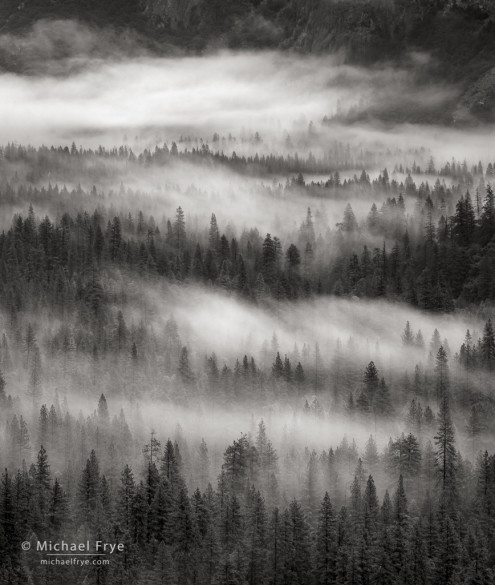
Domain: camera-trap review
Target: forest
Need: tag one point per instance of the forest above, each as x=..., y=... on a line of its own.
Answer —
x=247, y=291
x=107, y=379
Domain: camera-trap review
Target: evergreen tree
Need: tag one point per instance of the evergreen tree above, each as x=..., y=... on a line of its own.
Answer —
x=184, y=368
x=408, y=336
x=256, y=538
x=89, y=497
x=441, y=374
x=42, y=491
x=488, y=347
x=371, y=381
x=326, y=550
x=446, y=454
x=185, y=540
x=179, y=230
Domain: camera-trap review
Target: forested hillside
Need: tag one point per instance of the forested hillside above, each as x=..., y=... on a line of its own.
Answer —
x=108, y=377
x=424, y=242
x=247, y=292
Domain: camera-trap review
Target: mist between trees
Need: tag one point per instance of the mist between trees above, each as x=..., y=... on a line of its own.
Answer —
x=308, y=405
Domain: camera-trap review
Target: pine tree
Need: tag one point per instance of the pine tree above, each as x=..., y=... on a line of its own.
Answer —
x=88, y=497
x=42, y=491
x=448, y=549
x=383, y=403
x=269, y=260
x=256, y=538
x=214, y=234
x=363, y=403
x=161, y=516
x=276, y=547
x=203, y=465
x=416, y=568
x=278, y=367
x=35, y=373
x=404, y=456
x=115, y=239
x=43, y=426
x=326, y=550
x=371, y=381
x=487, y=220
x=184, y=368
x=446, y=454
x=238, y=466
x=58, y=510
x=179, y=230
x=170, y=467
x=488, y=347
x=419, y=341
x=21, y=439
x=441, y=374
x=299, y=377
x=103, y=416
x=371, y=457
x=435, y=342
x=400, y=527
x=408, y=336
x=311, y=490
x=298, y=558
x=370, y=541
x=126, y=493
x=349, y=223
x=185, y=539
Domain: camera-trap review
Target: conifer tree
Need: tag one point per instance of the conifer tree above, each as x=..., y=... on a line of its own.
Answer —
x=446, y=454
x=42, y=491
x=401, y=521
x=408, y=336
x=184, y=368
x=58, y=510
x=179, y=230
x=326, y=549
x=255, y=538
x=89, y=493
x=185, y=540
x=371, y=381
x=441, y=374
x=126, y=493
x=488, y=346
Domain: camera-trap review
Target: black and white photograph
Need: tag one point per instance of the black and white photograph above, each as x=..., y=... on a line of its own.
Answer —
x=247, y=292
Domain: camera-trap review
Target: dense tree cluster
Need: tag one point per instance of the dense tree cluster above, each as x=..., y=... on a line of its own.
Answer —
x=417, y=512
x=432, y=260
x=80, y=319
x=251, y=158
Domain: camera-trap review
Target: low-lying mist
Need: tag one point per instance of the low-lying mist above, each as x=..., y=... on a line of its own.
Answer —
x=217, y=322
x=92, y=90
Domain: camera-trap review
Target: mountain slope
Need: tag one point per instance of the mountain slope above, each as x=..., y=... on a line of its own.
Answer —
x=457, y=35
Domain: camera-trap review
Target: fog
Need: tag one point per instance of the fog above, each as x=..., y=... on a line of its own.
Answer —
x=128, y=313
x=103, y=94
x=216, y=322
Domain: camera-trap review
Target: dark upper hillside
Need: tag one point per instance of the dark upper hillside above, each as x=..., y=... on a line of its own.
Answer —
x=457, y=35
